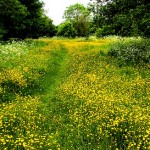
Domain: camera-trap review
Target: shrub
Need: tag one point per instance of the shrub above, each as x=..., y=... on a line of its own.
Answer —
x=2, y=32
x=105, y=30
x=66, y=29
x=98, y=32
x=131, y=51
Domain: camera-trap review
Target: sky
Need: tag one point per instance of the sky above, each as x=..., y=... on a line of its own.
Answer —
x=55, y=8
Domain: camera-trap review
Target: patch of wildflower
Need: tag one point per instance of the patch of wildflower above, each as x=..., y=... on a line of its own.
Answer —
x=22, y=126
x=20, y=68
x=97, y=105
x=105, y=104
x=23, y=123
x=12, y=50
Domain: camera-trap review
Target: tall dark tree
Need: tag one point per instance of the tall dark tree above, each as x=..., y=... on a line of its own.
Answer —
x=12, y=18
x=24, y=18
x=46, y=27
x=35, y=12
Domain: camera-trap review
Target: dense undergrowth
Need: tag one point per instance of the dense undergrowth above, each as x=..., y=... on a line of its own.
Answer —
x=72, y=94
x=131, y=51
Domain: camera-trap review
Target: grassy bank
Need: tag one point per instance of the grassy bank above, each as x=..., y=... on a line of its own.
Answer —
x=70, y=94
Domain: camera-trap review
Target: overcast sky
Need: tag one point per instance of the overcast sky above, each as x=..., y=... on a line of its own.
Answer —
x=55, y=8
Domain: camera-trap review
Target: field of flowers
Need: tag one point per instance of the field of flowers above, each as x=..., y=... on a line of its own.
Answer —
x=69, y=94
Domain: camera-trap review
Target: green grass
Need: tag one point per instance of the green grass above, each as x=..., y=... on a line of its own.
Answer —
x=70, y=94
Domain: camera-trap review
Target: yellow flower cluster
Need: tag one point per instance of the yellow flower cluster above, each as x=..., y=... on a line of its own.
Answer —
x=18, y=73
x=104, y=101
x=21, y=125
x=16, y=76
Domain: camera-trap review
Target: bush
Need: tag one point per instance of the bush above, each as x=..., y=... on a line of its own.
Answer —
x=66, y=29
x=145, y=28
x=104, y=31
x=98, y=32
x=132, y=51
x=2, y=32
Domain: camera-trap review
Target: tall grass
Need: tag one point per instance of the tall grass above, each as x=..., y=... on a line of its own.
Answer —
x=19, y=73
x=71, y=95
x=25, y=85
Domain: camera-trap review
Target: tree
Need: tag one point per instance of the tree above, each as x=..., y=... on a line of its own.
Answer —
x=24, y=18
x=35, y=12
x=12, y=17
x=96, y=8
x=80, y=17
x=75, y=12
x=46, y=27
x=126, y=17
x=66, y=29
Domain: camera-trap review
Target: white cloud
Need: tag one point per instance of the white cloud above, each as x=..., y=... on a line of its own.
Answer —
x=55, y=8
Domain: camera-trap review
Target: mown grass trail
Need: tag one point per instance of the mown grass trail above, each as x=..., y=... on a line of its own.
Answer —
x=77, y=98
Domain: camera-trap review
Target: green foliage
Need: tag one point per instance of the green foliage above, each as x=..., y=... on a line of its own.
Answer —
x=82, y=28
x=145, y=27
x=98, y=32
x=34, y=16
x=131, y=51
x=75, y=12
x=24, y=18
x=2, y=32
x=66, y=29
x=80, y=17
x=126, y=17
x=46, y=27
x=122, y=24
x=104, y=31
x=12, y=17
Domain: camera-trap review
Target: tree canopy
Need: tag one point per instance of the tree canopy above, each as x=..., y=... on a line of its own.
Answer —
x=125, y=17
x=76, y=12
x=24, y=18
x=79, y=15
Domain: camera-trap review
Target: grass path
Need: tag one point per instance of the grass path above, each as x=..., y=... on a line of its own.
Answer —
x=57, y=65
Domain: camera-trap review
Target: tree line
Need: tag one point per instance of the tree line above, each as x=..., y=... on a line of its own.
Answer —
x=26, y=18
x=121, y=17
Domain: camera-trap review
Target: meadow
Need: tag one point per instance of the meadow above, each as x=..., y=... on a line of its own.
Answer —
x=69, y=94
